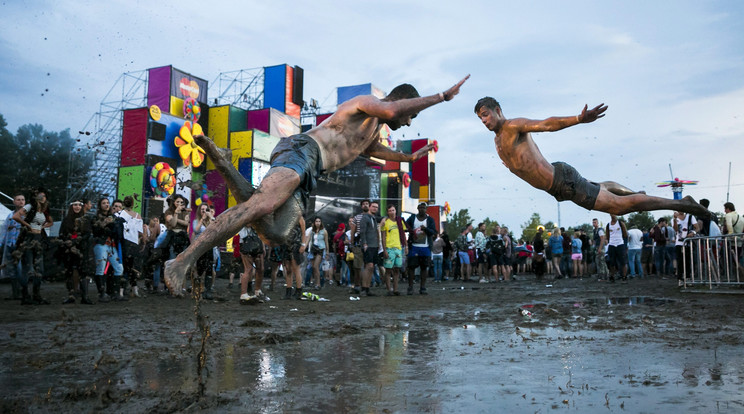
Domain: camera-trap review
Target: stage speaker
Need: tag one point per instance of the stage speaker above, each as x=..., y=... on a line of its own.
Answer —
x=156, y=131
x=299, y=75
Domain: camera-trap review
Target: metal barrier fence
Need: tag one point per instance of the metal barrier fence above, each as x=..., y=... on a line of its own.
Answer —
x=713, y=261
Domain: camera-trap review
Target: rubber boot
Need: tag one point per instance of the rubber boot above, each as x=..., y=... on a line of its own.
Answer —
x=288, y=293
x=25, y=297
x=208, y=281
x=37, y=293
x=298, y=293
x=84, y=283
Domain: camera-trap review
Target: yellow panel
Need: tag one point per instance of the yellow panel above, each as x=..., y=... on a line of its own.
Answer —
x=231, y=202
x=176, y=106
x=241, y=144
x=218, y=128
x=424, y=193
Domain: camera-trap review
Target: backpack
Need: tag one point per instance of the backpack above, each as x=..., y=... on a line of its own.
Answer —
x=461, y=243
x=496, y=246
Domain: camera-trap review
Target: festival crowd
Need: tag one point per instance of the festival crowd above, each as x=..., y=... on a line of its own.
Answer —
x=113, y=248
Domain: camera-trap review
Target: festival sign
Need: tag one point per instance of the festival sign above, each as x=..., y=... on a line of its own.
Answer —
x=185, y=86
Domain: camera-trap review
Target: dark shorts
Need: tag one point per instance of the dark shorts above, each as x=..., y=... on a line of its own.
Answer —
x=568, y=184
x=301, y=154
x=418, y=257
x=647, y=256
x=371, y=255
x=482, y=256
x=495, y=259
x=618, y=256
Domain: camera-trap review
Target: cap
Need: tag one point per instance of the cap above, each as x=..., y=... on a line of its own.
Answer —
x=422, y=204
x=341, y=227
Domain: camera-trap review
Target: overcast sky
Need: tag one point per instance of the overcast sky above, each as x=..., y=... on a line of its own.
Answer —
x=672, y=73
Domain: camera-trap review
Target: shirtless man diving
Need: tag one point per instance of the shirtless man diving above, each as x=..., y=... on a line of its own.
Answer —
x=275, y=207
x=521, y=155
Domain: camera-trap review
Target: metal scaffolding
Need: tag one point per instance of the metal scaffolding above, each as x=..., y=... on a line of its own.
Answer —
x=242, y=88
x=102, y=136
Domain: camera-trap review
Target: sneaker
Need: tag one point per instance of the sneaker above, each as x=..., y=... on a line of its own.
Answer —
x=422, y=291
x=262, y=298
x=389, y=293
x=246, y=299
x=368, y=292
x=396, y=293
x=229, y=286
x=680, y=283
x=483, y=281
x=69, y=300
x=410, y=290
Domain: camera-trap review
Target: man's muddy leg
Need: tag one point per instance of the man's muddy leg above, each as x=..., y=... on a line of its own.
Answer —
x=222, y=160
x=275, y=189
x=619, y=205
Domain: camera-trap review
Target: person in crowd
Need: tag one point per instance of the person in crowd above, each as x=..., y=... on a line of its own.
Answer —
x=437, y=257
x=236, y=263
x=71, y=253
x=635, y=246
x=130, y=245
x=393, y=232
x=369, y=238
x=106, y=252
x=616, y=251
x=495, y=249
x=421, y=230
x=462, y=246
x=600, y=241
x=11, y=266
x=251, y=280
x=34, y=219
x=538, y=261
x=202, y=220
x=509, y=259
x=556, y=249
x=576, y=255
x=686, y=226
x=647, y=252
x=480, y=252
x=152, y=256
x=447, y=256
x=316, y=242
x=340, y=241
x=293, y=259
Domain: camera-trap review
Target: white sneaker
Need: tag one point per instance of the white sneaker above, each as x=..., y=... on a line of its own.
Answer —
x=483, y=281
x=245, y=297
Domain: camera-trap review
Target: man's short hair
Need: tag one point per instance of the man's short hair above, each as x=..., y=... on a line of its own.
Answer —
x=705, y=202
x=729, y=205
x=403, y=91
x=367, y=200
x=117, y=201
x=662, y=220
x=488, y=102
x=374, y=202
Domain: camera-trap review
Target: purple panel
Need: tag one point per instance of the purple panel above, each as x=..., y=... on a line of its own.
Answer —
x=259, y=119
x=158, y=88
x=218, y=189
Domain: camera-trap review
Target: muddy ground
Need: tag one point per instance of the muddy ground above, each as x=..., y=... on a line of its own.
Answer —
x=584, y=346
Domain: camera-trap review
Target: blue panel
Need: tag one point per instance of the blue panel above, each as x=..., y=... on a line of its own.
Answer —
x=275, y=87
x=347, y=92
x=245, y=168
x=167, y=148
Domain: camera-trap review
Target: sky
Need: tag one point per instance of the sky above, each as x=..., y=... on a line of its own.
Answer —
x=671, y=72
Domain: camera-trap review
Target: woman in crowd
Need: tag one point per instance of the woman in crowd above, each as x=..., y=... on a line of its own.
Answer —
x=34, y=218
x=252, y=254
x=177, y=222
x=105, y=251
x=576, y=255
x=316, y=242
x=71, y=253
x=437, y=257
x=556, y=250
x=204, y=265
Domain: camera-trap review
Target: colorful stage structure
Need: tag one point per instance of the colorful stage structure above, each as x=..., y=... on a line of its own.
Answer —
x=142, y=149
x=676, y=184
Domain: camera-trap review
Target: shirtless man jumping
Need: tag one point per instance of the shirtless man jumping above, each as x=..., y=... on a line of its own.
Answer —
x=521, y=155
x=276, y=206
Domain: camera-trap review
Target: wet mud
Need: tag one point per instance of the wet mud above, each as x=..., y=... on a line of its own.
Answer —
x=579, y=345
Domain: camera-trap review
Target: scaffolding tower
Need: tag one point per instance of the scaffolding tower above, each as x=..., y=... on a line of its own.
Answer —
x=102, y=136
x=242, y=88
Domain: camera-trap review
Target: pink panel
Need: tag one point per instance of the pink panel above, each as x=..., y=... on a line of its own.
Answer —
x=258, y=119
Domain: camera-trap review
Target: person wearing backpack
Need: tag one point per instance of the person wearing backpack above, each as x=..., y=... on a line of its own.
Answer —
x=495, y=248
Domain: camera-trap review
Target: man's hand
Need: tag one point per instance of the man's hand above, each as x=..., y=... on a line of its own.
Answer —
x=591, y=115
x=451, y=92
x=422, y=151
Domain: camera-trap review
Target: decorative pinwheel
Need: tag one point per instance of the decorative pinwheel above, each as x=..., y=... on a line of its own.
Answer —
x=188, y=150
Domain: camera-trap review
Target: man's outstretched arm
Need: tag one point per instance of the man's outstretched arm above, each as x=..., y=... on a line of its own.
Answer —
x=557, y=123
x=393, y=109
x=378, y=150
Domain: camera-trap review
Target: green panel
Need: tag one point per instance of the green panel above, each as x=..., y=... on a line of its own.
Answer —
x=131, y=180
x=238, y=119
x=263, y=145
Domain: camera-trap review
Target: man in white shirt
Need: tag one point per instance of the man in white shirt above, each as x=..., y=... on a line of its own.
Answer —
x=686, y=226
x=634, y=252
x=617, y=233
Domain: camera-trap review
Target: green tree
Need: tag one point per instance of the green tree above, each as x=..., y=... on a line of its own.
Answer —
x=36, y=158
x=457, y=221
x=642, y=220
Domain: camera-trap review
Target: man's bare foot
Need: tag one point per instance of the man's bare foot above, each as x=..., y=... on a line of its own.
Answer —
x=175, y=273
